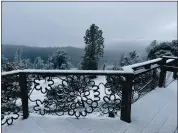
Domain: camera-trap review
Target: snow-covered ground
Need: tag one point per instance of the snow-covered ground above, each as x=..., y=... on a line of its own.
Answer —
x=156, y=112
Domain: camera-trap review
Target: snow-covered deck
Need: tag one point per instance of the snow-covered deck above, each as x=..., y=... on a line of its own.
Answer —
x=156, y=112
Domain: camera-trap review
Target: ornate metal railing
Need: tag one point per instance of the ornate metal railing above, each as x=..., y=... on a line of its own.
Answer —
x=11, y=108
x=145, y=82
x=76, y=93
x=72, y=93
x=147, y=76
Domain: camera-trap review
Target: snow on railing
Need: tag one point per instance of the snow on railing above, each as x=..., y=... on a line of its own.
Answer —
x=130, y=68
x=10, y=72
x=143, y=63
x=170, y=57
x=84, y=72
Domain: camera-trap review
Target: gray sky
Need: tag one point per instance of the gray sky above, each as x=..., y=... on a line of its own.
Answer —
x=64, y=24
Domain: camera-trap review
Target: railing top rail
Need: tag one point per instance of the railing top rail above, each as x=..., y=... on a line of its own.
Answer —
x=170, y=60
x=170, y=57
x=68, y=72
x=150, y=62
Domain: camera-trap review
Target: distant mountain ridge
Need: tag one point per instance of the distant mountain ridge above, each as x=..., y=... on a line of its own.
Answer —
x=31, y=52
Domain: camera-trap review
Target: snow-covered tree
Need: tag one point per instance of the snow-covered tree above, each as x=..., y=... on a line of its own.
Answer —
x=10, y=66
x=79, y=66
x=48, y=65
x=174, y=45
x=4, y=62
x=129, y=58
x=64, y=66
x=94, y=48
x=38, y=63
x=18, y=59
x=71, y=66
x=60, y=59
x=153, y=44
x=126, y=59
x=18, y=56
x=134, y=58
x=160, y=50
x=27, y=64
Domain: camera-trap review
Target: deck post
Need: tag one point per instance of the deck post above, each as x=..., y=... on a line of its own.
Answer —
x=162, y=76
x=127, y=99
x=24, y=94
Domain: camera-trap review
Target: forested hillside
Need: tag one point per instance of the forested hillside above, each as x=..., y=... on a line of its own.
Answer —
x=74, y=53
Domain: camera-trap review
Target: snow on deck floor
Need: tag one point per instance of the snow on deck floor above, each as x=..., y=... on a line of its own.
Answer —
x=156, y=112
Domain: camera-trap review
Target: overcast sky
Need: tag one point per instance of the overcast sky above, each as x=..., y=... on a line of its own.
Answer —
x=64, y=24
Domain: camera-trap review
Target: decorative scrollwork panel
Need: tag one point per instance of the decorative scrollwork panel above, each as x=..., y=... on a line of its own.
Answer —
x=145, y=83
x=75, y=95
x=10, y=99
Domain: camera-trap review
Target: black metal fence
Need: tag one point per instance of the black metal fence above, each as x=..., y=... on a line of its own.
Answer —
x=75, y=93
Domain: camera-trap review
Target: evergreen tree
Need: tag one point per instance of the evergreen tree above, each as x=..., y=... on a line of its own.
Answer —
x=160, y=50
x=60, y=59
x=94, y=48
x=25, y=64
x=134, y=58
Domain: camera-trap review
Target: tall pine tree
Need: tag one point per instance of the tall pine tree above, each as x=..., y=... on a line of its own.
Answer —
x=94, y=48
